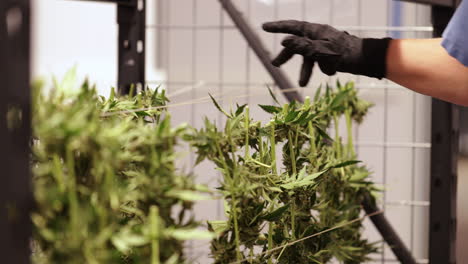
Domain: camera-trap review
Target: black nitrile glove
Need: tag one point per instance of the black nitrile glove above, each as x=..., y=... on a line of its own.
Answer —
x=333, y=50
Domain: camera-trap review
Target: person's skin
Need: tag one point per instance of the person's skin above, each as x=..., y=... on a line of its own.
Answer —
x=424, y=66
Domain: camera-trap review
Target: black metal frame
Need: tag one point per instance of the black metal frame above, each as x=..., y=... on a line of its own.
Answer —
x=446, y=3
x=380, y=221
x=15, y=191
x=131, y=18
x=444, y=154
x=16, y=201
x=132, y=45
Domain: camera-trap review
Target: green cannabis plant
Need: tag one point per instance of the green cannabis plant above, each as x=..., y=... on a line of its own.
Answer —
x=274, y=209
x=105, y=182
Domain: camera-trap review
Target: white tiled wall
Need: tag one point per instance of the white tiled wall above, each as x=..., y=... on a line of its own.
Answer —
x=187, y=44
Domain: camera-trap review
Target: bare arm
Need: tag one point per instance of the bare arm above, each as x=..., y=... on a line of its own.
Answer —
x=424, y=66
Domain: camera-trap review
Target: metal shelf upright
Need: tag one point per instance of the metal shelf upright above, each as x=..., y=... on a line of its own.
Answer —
x=15, y=132
x=131, y=19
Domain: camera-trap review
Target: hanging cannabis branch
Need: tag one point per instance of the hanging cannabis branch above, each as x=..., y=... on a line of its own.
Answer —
x=318, y=187
x=106, y=187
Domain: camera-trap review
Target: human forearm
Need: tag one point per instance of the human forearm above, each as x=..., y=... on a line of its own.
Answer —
x=424, y=66
x=421, y=65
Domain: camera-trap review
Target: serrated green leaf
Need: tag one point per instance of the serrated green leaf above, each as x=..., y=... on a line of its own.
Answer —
x=276, y=214
x=218, y=226
x=301, y=118
x=339, y=99
x=219, y=107
x=291, y=116
x=240, y=109
x=273, y=95
x=323, y=134
x=346, y=163
x=271, y=109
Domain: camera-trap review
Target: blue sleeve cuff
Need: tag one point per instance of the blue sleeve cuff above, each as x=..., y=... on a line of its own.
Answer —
x=455, y=50
x=455, y=39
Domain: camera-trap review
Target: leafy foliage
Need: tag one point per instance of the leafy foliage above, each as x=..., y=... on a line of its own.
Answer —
x=320, y=184
x=108, y=191
x=105, y=182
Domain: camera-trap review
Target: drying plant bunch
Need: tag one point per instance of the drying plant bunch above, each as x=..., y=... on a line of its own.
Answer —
x=105, y=183
x=319, y=185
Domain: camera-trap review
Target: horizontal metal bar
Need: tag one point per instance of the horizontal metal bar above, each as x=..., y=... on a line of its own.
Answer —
x=394, y=144
x=349, y=28
x=409, y=203
x=448, y=3
x=120, y=2
x=371, y=86
x=418, y=261
x=387, y=28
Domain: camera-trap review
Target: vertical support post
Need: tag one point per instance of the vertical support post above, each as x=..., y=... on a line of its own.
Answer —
x=15, y=132
x=444, y=151
x=131, y=19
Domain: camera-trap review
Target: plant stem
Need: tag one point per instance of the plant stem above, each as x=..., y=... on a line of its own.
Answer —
x=349, y=127
x=337, y=136
x=236, y=229
x=274, y=171
x=260, y=148
x=294, y=173
x=291, y=153
x=233, y=191
x=312, y=137
x=231, y=146
x=273, y=149
x=270, y=240
x=154, y=229
x=72, y=194
x=223, y=160
x=58, y=173
x=247, y=154
x=306, y=102
x=251, y=254
x=168, y=129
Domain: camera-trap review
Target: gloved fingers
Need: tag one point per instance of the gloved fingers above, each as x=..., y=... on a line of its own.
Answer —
x=309, y=48
x=299, y=28
x=285, y=26
x=306, y=72
x=329, y=65
x=284, y=56
x=297, y=45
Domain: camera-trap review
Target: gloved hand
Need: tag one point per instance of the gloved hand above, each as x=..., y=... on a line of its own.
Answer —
x=333, y=50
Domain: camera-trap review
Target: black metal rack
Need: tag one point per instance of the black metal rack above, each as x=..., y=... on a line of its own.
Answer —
x=444, y=154
x=131, y=19
x=15, y=192
x=446, y=3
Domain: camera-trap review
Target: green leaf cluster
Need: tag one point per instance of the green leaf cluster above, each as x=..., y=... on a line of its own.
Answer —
x=288, y=179
x=105, y=182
